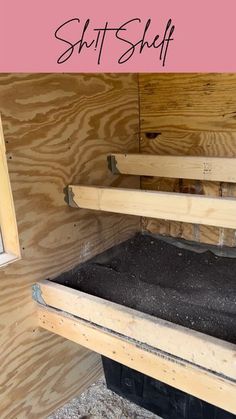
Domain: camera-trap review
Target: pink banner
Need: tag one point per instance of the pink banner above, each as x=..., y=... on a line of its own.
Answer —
x=118, y=36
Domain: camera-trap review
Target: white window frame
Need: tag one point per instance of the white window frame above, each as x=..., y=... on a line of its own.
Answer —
x=1, y=243
x=8, y=225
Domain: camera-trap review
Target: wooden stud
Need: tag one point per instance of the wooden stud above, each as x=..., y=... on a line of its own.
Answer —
x=194, y=380
x=8, y=225
x=180, y=167
x=202, y=350
x=189, y=208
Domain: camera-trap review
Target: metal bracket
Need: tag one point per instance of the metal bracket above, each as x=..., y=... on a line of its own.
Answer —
x=37, y=294
x=112, y=164
x=69, y=197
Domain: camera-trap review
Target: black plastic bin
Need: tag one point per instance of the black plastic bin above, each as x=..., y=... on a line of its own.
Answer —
x=157, y=397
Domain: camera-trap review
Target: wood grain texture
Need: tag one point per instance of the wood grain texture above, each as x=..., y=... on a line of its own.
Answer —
x=189, y=208
x=219, y=169
x=201, y=383
x=9, y=239
x=58, y=130
x=193, y=115
x=198, y=348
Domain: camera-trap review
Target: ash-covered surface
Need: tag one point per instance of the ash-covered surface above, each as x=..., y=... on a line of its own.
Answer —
x=97, y=402
x=194, y=290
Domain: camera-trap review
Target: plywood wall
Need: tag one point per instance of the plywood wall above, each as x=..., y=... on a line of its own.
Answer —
x=58, y=129
x=192, y=114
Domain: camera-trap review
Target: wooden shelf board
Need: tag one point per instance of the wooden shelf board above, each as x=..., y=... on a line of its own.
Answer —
x=196, y=209
x=222, y=169
x=185, y=376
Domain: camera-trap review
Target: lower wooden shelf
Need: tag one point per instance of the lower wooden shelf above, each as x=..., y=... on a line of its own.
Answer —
x=190, y=361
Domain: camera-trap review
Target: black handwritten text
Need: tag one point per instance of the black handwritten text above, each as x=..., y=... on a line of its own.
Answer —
x=94, y=39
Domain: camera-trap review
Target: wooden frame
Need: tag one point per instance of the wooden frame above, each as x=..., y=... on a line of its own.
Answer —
x=220, y=212
x=220, y=169
x=8, y=225
x=184, y=375
x=202, y=350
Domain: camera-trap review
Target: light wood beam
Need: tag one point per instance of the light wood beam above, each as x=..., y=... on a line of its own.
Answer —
x=182, y=375
x=8, y=225
x=189, y=208
x=181, y=167
x=203, y=350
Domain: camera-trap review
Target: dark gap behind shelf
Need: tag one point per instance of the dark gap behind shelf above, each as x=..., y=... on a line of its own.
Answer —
x=159, y=398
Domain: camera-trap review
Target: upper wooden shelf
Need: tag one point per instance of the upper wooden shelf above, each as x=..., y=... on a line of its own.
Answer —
x=220, y=169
